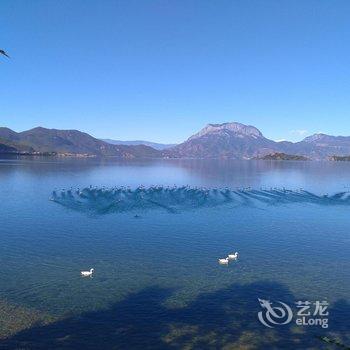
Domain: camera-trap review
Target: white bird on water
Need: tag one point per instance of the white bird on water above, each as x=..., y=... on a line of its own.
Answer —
x=87, y=273
x=233, y=256
x=223, y=261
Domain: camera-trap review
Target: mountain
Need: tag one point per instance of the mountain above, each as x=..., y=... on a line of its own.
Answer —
x=320, y=146
x=71, y=142
x=327, y=145
x=238, y=141
x=157, y=146
x=323, y=140
x=4, y=148
x=225, y=128
x=228, y=140
x=7, y=146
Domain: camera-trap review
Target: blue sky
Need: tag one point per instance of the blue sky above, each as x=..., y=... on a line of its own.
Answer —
x=160, y=70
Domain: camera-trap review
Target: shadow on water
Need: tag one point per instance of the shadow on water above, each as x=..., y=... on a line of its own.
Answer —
x=176, y=199
x=223, y=319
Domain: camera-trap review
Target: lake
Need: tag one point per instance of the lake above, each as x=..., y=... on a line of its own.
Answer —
x=157, y=283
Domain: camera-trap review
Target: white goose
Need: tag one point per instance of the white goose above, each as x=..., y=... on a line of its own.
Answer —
x=233, y=256
x=87, y=273
x=223, y=261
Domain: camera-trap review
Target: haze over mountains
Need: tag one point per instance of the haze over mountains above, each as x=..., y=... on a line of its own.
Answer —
x=155, y=145
x=227, y=140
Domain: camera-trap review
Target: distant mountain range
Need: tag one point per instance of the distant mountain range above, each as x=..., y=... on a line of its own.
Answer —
x=227, y=140
x=66, y=142
x=157, y=146
x=239, y=141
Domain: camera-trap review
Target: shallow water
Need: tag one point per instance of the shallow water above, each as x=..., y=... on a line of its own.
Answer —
x=157, y=282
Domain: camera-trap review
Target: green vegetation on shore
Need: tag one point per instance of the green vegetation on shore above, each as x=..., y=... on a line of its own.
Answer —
x=340, y=158
x=283, y=156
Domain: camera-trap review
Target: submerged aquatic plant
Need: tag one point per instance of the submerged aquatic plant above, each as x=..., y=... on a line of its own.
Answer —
x=176, y=199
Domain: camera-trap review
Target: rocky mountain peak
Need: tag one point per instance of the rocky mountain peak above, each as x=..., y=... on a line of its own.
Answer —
x=232, y=128
x=315, y=138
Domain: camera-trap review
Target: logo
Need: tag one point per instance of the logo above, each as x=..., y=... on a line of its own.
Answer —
x=274, y=315
x=279, y=313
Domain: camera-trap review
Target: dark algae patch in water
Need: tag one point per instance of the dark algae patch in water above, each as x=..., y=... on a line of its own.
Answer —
x=15, y=318
x=95, y=200
x=223, y=319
